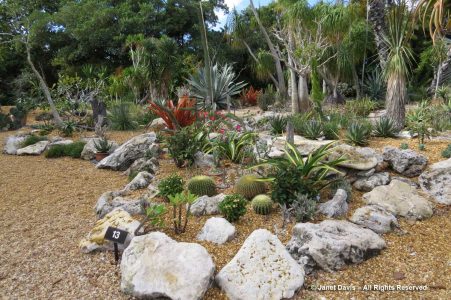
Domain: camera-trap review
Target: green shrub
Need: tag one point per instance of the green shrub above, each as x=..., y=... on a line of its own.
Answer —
x=103, y=146
x=266, y=99
x=68, y=128
x=248, y=186
x=299, y=121
x=184, y=143
x=262, y=204
x=358, y=134
x=234, y=146
x=121, y=117
x=384, y=127
x=233, y=207
x=419, y=121
x=303, y=208
x=447, y=152
x=361, y=107
x=73, y=150
x=331, y=130
x=278, y=124
x=313, y=129
x=404, y=146
x=171, y=185
x=32, y=139
x=202, y=185
x=4, y=121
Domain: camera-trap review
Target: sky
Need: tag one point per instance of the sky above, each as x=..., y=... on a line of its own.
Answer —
x=239, y=5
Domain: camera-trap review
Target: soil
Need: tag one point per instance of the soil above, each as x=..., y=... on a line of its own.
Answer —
x=46, y=208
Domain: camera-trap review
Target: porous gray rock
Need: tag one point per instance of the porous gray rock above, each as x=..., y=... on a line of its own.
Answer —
x=89, y=150
x=401, y=199
x=406, y=180
x=111, y=200
x=35, y=149
x=217, y=230
x=13, y=143
x=143, y=164
x=357, y=158
x=124, y=156
x=141, y=181
x=436, y=181
x=154, y=266
x=206, y=205
x=406, y=162
x=262, y=269
x=376, y=218
x=305, y=146
x=332, y=244
x=337, y=206
x=367, y=184
x=203, y=160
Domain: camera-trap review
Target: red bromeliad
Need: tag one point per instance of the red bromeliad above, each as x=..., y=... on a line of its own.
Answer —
x=178, y=116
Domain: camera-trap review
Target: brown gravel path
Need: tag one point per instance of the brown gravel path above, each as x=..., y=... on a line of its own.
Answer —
x=46, y=207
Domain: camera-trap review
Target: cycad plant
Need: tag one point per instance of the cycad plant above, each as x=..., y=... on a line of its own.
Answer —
x=399, y=58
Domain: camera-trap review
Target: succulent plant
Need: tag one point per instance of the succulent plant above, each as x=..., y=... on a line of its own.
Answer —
x=202, y=185
x=262, y=204
x=249, y=186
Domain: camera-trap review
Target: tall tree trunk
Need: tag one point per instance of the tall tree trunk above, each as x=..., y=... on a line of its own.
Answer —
x=45, y=88
x=396, y=100
x=376, y=17
x=98, y=109
x=304, y=101
x=294, y=93
x=279, y=71
x=355, y=78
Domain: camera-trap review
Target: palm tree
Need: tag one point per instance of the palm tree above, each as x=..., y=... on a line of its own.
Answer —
x=377, y=18
x=399, y=57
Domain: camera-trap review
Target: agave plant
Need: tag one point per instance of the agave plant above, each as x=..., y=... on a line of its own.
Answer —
x=233, y=146
x=223, y=84
x=384, y=127
x=278, y=124
x=374, y=85
x=358, y=134
x=313, y=129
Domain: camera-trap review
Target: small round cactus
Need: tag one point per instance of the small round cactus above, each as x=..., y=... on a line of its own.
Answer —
x=249, y=186
x=262, y=204
x=202, y=185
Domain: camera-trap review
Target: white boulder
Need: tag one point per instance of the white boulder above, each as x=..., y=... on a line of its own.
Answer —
x=35, y=149
x=217, y=230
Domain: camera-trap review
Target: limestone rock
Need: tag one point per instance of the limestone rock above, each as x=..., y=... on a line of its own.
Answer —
x=401, y=199
x=141, y=181
x=376, y=218
x=60, y=141
x=89, y=150
x=13, y=143
x=357, y=158
x=406, y=162
x=203, y=160
x=262, y=269
x=336, y=207
x=407, y=180
x=157, y=124
x=35, y=149
x=436, y=181
x=305, y=146
x=127, y=153
x=217, y=230
x=156, y=266
x=118, y=218
x=143, y=164
x=367, y=184
x=332, y=244
x=206, y=205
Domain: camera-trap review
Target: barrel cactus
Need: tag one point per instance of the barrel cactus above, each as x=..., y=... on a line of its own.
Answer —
x=262, y=204
x=249, y=186
x=202, y=185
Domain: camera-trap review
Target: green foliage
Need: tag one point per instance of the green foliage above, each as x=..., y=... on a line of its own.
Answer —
x=447, y=152
x=419, y=120
x=233, y=207
x=234, y=146
x=202, y=185
x=404, y=146
x=278, y=124
x=181, y=202
x=293, y=174
x=262, y=204
x=299, y=121
x=361, y=107
x=249, y=186
x=303, y=208
x=331, y=130
x=184, y=143
x=4, y=121
x=441, y=120
x=32, y=139
x=384, y=127
x=154, y=215
x=358, y=134
x=171, y=185
x=374, y=86
x=68, y=128
x=444, y=93
x=73, y=150
x=121, y=117
x=103, y=146
x=267, y=98
x=313, y=129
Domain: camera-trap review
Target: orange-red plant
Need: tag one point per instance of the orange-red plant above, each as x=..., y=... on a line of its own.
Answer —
x=250, y=96
x=175, y=116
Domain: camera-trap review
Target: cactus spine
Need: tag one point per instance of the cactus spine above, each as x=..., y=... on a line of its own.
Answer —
x=202, y=185
x=262, y=204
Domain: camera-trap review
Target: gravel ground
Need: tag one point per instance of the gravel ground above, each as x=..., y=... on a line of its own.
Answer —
x=46, y=207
